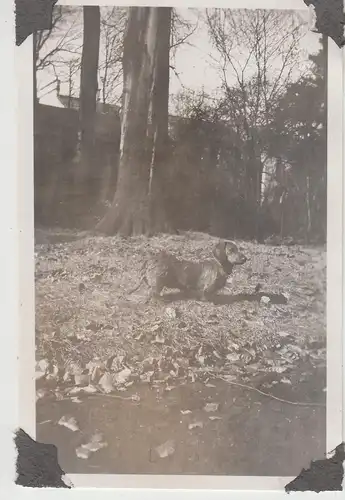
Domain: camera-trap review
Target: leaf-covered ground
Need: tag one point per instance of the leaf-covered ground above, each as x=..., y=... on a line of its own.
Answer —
x=97, y=344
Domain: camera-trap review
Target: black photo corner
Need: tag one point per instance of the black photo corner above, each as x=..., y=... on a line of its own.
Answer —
x=37, y=463
x=32, y=15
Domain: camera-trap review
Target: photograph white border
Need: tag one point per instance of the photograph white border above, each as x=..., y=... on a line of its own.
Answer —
x=24, y=248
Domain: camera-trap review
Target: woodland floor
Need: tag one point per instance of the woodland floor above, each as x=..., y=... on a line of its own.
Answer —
x=126, y=385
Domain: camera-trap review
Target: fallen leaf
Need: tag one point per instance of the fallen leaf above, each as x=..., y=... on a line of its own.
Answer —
x=117, y=363
x=215, y=353
x=76, y=368
x=147, y=376
x=96, y=443
x=154, y=328
x=70, y=423
x=166, y=449
x=278, y=369
x=106, y=383
x=233, y=357
x=96, y=370
x=42, y=365
x=159, y=339
x=89, y=389
x=194, y=425
x=59, y=396
x=140, y=337
x=82, y=379
x=122, y=376
x=284, y=334
x=201, y=359
x=40, y=393
x=39, y=375
x=76, y=400
x=82, y=453
x=211, y=407
x=253, y=368
x=229, y=378
x=56, y=371
x=170, y=312
x=67, y=377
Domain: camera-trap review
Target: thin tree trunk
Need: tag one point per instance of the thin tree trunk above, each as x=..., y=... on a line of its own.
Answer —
x=88, y=90
x=144, y=128
x=34, y=48
x=308, y=210
x=325, y=49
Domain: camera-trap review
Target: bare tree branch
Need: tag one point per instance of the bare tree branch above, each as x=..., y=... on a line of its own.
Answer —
x=113, y=26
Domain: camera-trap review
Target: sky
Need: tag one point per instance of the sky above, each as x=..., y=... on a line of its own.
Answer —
x=194, y=62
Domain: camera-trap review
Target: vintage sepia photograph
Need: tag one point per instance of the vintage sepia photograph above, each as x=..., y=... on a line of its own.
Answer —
x=180, y=213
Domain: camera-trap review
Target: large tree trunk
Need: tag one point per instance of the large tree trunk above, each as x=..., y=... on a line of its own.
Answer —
x=138, y=206
x=88, y=91
x=158, y=187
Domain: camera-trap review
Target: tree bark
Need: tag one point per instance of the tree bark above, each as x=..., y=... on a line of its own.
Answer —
x=138, y=207
x=88, y=90
x=160, y=122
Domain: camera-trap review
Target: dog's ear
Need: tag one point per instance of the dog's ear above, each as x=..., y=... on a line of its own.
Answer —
x=232, y=247
x=220, y=249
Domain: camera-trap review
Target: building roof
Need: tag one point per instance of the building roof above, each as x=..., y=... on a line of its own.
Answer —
x=73, y=102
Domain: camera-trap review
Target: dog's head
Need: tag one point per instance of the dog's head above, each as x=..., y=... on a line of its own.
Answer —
x=228, y=252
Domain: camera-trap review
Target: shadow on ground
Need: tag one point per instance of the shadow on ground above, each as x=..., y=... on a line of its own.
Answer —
x=226, y=299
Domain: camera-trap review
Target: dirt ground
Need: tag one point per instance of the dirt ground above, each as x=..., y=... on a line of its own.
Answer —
x=185, y=377
x=254, y=435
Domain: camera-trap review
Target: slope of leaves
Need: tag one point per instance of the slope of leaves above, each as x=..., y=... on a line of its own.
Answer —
x=92, y=332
